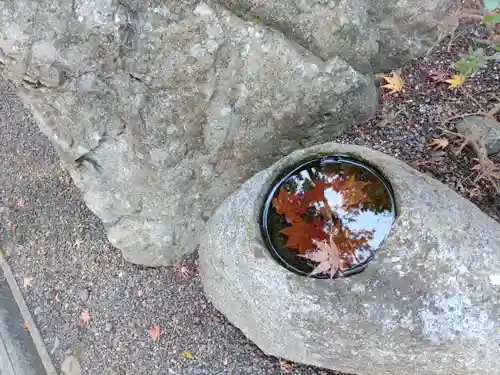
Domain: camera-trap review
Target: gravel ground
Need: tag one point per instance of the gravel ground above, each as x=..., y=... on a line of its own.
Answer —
x=48, y=234
x=406, y=122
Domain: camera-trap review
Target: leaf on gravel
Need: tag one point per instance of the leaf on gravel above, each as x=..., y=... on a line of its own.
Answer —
x=182, y=270
x=286, y=366
x=394, y=83
x=456, y=81
x=85, y=316
x=439, y=76
x=188, y=355
x=27, y=281
x=438, y=143
x=155, y=332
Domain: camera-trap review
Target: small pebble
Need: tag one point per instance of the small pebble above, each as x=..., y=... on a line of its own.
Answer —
x=82, y=294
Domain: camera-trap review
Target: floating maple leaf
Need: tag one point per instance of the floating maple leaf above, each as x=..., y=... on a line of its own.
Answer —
x=456, y=81
x=439, y=143
x=301, y=233
x=394, y=83
x=292, y=206
x=327, y=256
x=155, y=332
x=85, y=316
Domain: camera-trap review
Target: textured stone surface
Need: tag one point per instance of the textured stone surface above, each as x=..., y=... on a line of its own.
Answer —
x=428, y=304
x=485, y=129
x=162, y=109
x=71, y=366
x=372, y=35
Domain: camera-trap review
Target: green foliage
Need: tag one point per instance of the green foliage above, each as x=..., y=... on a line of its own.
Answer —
x=472, y=62
x=492, y=19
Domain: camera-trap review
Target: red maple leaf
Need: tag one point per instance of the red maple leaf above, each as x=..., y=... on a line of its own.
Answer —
x=301, y=234
x=317, y=193
x=353, y=191
x=348, y=241
x=292, y=206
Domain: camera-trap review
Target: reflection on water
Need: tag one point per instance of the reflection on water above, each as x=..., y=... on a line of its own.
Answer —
x=329, y=199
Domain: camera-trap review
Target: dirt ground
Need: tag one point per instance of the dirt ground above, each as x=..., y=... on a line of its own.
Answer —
x=51, y=238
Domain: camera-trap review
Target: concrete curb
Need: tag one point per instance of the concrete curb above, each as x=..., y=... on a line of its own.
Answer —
x=28, y=318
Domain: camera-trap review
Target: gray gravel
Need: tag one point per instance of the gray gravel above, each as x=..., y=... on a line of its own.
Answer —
x=47, y=232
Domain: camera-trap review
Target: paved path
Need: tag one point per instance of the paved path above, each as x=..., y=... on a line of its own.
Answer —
x=18, y=355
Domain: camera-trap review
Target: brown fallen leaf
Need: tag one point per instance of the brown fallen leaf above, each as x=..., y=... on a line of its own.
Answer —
x=27, y=281
x=456, y=81
x=286, y=366
x=394, y=83
x=85, y=316
x=155, y=332
x=41, y=248
x=182, y=270
x=438, y=143
x=439, y=76
x=25, y=325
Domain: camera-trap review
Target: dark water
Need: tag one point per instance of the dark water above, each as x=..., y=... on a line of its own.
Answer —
x=336, y=196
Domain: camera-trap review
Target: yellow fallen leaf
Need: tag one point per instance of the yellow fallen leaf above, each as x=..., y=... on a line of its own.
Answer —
x=456, y=80
x=394, y=83
x=25, y=325
x=439, y=143
x=188, y=355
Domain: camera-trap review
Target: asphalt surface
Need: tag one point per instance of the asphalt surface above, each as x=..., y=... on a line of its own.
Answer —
x=48, y=234
x=18, y=354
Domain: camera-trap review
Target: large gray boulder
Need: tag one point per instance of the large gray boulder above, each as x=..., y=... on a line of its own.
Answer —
x=428, y=304
x=161, y=109
x=372, y=35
